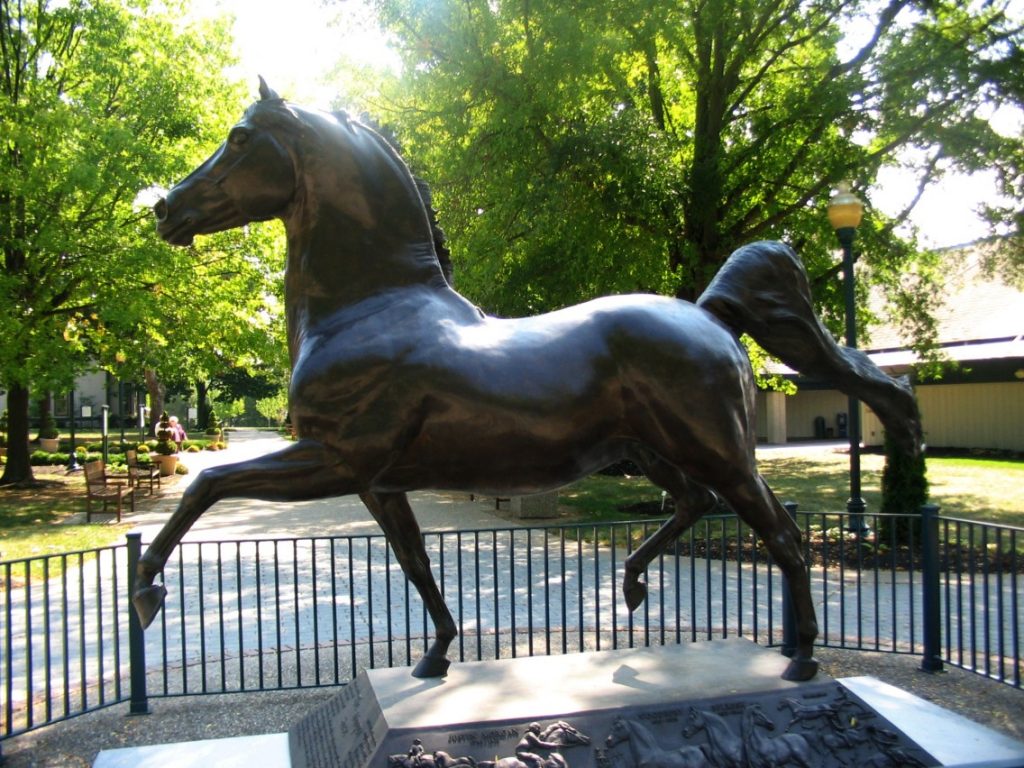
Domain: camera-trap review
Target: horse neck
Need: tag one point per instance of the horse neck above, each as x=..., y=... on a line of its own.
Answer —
x=750, y=729
x=334, y=262
x=715, y=726
x=640, y=734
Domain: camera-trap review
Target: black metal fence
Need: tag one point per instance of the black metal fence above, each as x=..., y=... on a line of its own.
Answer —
x=274, y=614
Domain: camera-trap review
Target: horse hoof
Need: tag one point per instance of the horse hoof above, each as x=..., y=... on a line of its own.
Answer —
x=799, y=670
x=635, y=594
x=147, y=602
x=432, y=666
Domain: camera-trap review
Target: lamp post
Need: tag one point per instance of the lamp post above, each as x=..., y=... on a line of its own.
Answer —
x=844, y=213
x=72, y=465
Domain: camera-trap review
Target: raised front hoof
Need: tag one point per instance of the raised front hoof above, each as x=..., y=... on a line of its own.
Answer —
x=635, y=593
x=147, y=602
x=432, y=666
x=800, y=670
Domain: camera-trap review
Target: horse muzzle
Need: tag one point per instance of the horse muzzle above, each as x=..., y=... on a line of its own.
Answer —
x=176, y=229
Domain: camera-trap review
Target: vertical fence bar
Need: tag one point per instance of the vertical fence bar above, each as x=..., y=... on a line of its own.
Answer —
x=708, y=582
x=985, y=601
x=497, y=593
x=1001, y=637
x=529, y=590
x=8, y=668
x=479, y=596
x=789, y=640
x=724, y=582
x=1014, y=614
x=138, y=701
x=597, y=589
x=459, y=575
x=222, y=660
x=201, y=600
x=241, y=618
x=931, y=600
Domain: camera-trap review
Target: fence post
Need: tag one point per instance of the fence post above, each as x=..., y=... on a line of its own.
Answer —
x=931, y=599
x=139, y=703
x=789, y=640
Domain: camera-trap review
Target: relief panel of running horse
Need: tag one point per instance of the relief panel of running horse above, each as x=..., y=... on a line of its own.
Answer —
x=399, y=383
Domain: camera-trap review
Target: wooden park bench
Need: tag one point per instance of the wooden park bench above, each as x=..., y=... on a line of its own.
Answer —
x=101, y=487
x=140, y=473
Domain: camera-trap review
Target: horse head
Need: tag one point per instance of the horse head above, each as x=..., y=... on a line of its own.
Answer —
x=279, y=156
x=694, y=722
x=756, y=717
x=618, y=733
x=564, y=734
x=356, y=219
x=251, y=177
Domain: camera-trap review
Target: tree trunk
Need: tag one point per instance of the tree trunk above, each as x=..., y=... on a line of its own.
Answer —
x=203, y=404
x=45, y=410
x=157, y=391
x=18, y=468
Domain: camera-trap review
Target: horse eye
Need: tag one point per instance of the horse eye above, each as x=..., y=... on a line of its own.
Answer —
x=238, y=136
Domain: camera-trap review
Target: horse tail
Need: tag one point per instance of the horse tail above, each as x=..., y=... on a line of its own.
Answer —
x=763, y=290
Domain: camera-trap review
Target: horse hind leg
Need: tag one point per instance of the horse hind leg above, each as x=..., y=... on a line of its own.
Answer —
x=692, y=501
x=755, y=503
x=395, y=517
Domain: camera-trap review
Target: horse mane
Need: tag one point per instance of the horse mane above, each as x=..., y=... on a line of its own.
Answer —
x=387, y=137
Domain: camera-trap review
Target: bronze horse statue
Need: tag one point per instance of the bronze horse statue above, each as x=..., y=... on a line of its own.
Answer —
x=399, y=383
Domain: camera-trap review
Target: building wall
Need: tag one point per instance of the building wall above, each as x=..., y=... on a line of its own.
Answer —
x=90, y=389
x=808, y=404
x=973, y=415
x=986, y=415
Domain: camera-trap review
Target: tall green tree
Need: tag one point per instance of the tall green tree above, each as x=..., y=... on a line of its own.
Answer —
x=98, y=100
x=586, y=148
x=211, y=312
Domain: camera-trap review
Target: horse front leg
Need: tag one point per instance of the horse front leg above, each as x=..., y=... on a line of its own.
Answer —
x=298, y=473
x=395, y=517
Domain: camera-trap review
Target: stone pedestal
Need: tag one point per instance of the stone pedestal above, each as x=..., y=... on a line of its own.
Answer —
x=700, y=704
x=703, y=704
x=538, y=506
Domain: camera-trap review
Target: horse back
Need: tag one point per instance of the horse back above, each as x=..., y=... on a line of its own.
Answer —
x=417, y=395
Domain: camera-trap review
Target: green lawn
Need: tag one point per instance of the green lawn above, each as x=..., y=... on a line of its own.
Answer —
x=975, y=489
x=36, y=521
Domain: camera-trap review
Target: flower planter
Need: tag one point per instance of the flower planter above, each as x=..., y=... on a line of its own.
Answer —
x=49, y=444
x=167, y=464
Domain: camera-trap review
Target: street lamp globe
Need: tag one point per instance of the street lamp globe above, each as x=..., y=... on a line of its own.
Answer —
x=845, y=209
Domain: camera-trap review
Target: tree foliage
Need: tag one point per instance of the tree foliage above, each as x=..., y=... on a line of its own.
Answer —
x=98, y=100
x=580, y=149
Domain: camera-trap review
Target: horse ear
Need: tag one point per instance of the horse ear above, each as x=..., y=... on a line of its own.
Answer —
x=266, y=92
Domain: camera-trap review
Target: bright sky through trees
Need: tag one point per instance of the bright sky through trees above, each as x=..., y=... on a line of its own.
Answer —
x=295, y=46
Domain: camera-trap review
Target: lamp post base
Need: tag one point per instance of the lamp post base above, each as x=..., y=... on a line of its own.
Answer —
x=855, y=509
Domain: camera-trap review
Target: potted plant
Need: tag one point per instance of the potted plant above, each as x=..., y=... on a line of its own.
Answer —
x=213, y=431
x=166, y=449
x=49, y=437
